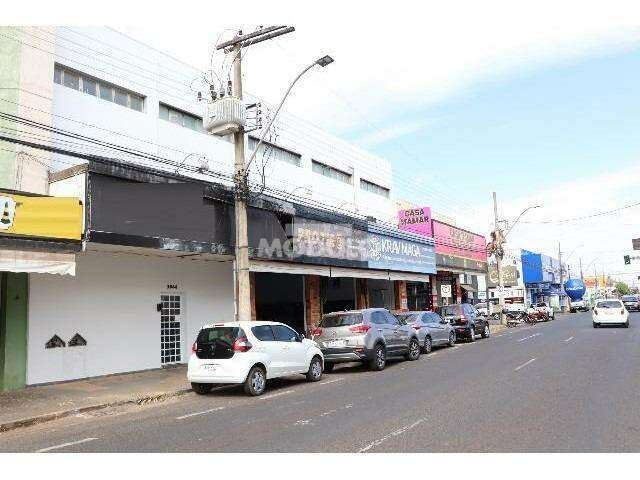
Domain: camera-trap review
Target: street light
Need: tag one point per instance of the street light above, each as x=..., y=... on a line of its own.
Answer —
x=322, y=62
x=520, y=216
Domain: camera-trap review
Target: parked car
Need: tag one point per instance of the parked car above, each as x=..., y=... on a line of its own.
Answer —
x=250, y=353
x=433, y=330
x=545, y=308
x=631, y=302
x=465, y=321
x=610, y=311
x=369, y=336
x=579, y=306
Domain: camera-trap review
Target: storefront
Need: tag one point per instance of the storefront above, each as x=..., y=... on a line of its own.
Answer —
x=39, y=235
x=461, y=257
x=541, y=275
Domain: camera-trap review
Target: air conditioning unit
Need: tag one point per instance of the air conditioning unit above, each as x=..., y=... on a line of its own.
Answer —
x=224, y=116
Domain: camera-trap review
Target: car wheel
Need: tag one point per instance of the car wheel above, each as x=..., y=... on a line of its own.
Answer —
x=328, y=367
x=487, y=331
x=256, y=382
x=428, y=344
x=595, y=325
x=472, y=334
x=414, y=350
x=452, y=339
x=315, y=370
x=201, y=388
x=379, y=359
x=626, y=325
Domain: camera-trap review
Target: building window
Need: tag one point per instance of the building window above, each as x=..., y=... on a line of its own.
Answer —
x=269, y=150
x=181, y=118
x=97, y=88
x=373, y=188
x=330, y=172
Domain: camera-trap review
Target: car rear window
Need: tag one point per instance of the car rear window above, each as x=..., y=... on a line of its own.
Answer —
x=342, y=320
x=628, y=298
x=217, y=342
x=609, y=304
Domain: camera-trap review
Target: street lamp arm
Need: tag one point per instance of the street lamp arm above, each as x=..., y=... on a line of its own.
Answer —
x=519, y=217
x=266, y=129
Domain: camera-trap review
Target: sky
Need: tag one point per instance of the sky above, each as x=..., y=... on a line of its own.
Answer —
x=537, y=101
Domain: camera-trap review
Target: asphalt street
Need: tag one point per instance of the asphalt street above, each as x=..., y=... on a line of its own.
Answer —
x=560, y=386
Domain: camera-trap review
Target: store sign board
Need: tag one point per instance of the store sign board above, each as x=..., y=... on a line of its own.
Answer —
x=397, y=254
x=40, y=217
x=453, y=261
x=636, y=243
x=509, y=276
x=445, y=291
x=416, y=220
x=455, y=242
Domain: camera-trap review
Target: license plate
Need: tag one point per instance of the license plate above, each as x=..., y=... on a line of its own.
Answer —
x=210, y=368
x=335, y=343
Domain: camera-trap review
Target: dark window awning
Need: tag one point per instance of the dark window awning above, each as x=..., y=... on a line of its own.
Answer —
x=469, y=288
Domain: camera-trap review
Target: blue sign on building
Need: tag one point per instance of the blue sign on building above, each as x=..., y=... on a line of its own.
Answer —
x=389, y=253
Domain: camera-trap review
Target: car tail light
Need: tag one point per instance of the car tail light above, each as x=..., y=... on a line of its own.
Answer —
x=416, y=326
x=360, y=329
x=316, y=332
x=622, y=312
x=462, y=320
x=194, y=347
x=241, y=345
x=595, y=312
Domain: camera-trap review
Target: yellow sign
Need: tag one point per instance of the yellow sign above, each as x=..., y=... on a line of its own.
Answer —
x=44, y=217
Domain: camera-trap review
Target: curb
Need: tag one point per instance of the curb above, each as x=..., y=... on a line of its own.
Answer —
x=48, y=417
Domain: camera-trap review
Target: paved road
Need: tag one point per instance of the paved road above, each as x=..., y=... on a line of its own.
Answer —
x=556, y=387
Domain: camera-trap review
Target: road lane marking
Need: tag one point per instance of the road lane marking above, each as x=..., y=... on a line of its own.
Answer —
x=530, y=336
x=274, y=395
x=525, y=364
x=195, y=414
x=395, y=433
x=568, y=339
x=331, y=381
x=63, y=445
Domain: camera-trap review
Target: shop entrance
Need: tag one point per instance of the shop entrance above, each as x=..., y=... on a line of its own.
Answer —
x=279, y=297
x=170, y=328
x=337, y=294
x=381, y=294
x=419, y=296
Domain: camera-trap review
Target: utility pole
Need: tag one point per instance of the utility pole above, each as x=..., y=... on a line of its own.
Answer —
x=561, y=279
x=498, y=240
x=242, y=280
x=581, y=276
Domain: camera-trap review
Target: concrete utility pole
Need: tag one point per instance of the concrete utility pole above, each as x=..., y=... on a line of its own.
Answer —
x=561, y=279
x=234, y=47
x=498, y=240
x=581, y=276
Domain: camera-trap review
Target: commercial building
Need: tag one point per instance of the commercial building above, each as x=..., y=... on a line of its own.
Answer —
x=114, y=125
x=542, y=278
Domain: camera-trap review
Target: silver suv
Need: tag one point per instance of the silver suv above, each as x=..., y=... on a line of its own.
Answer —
x=369, y=336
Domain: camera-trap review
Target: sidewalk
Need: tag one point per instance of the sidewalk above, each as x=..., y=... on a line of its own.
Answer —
x=47, y=402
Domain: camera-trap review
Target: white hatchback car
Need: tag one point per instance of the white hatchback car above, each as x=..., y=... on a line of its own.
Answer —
x=610, y=311
x=250, y=353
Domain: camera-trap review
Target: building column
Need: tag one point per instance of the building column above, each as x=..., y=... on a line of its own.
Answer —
x=434, y=293
x=312, y=300
x=14, y=296
x=400, y=294
x=362, y=293
x=252, y=294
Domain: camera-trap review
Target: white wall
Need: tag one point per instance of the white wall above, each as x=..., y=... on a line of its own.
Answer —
x=161, y=78
x=112, y=302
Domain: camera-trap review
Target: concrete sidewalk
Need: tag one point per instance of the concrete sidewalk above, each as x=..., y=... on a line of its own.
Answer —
x=43, y=403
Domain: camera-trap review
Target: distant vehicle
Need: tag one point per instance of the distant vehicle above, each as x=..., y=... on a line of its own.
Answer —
x=631, y=302
x=610, y=312
x=482, y=308
x=579, y=306
x=545, y=308
x=368, y=336
x=250, y=353
x=466, y=321
x=433, y=330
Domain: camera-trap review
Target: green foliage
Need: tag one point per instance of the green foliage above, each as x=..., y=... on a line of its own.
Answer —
x=622, y=288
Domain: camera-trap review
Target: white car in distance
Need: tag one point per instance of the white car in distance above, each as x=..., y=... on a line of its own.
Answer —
x=610, y=312
x=250, y=353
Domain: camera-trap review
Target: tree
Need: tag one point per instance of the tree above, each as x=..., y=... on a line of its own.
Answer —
x=622, y=288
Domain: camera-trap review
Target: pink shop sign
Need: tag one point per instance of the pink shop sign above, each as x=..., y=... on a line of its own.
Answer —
x=416, y=220
x=459, y=243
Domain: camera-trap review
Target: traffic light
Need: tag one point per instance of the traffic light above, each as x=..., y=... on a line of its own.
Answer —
x=627, y=260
